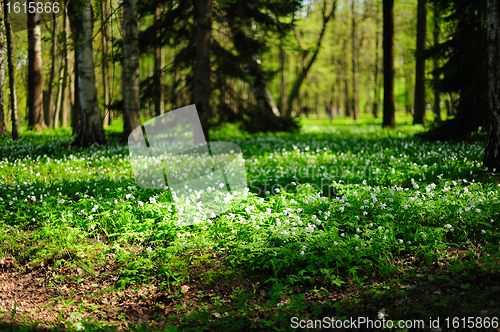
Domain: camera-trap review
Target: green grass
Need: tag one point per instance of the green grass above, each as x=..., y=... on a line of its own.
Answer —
x=387, y=240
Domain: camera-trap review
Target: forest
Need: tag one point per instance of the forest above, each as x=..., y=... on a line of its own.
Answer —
x=258, y=165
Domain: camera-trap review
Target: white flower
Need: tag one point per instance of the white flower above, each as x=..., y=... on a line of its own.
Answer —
x=152, y=200
x=302, y=253
x=90, y=218
x=92, y=227
x=148, y=249
x=335, y=243
x=400, y=241
x=140, y=203
x=304, y=247
x=342, y=234
x=257, y=226
x=115, y=212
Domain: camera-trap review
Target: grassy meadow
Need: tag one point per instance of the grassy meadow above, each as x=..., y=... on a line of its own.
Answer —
x=341, y=220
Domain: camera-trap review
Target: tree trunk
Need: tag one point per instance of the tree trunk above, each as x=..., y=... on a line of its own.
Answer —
x=281, y=100
x=50, y=101
x=75, y=109
x=376, y=93
x=69, y=76
x=106, y=46
x=201, y=74
x=59, y=98
x=130, y=72
x=3, y=127
x=419, y=115
x=159, y=64
x=354, y=65
x=437, y=94
x=327, y=17
x=388, y=45
x=492, y=150
x=35, y=83
x=90, y=129
x=12, y=77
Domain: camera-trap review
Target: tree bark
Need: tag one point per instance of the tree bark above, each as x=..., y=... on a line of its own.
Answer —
x=388, y=46
x=50, y=102
x=281, y=100
x=3, y=126
x=159, y=64
x=327, y=17
x=492, y=150
x=419, y=114
x=12, y=76
x=59, y=98
x=106, y=46
x=75, y=109
x=90, y=129
x=201, y=73
x=35, y=82
x=130, y=72
x=354, y=65
x=69, y=76
x=437, y=94
x=376, y=93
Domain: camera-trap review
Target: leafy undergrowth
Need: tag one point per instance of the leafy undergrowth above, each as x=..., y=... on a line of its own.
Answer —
x=338, y=222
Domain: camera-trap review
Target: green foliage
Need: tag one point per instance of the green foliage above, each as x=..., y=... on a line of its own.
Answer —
x=395, y=197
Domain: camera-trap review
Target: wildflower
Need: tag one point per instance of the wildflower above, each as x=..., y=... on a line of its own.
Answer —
x=257, y=227
x=90, y=218
x=92, y=227
x=152, y=200
x=140, y=203
x=304, y=247
x=302, y=253
x=335, y=243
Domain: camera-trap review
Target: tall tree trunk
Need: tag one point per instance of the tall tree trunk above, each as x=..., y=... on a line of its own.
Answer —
x=106, y=46
x=35, y=83
x=388, y=46
x=3, y=127
x=12, y=76
x=376, y=93
x=50, y=102
x=90, y=129
x=59, y=98
x=281, y=100
x=69, y=76
x=327, y=17
x=492, y=150
x=201, y=74
x=354, y=65
x=159, y=64
x=437, y=94
x=419, y=116
x=130, y=72
x=75, y=109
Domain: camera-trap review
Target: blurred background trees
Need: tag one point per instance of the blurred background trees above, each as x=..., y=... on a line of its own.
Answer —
x=259, y=64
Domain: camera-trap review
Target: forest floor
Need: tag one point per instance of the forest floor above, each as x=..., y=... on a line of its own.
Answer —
x=409, y=236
